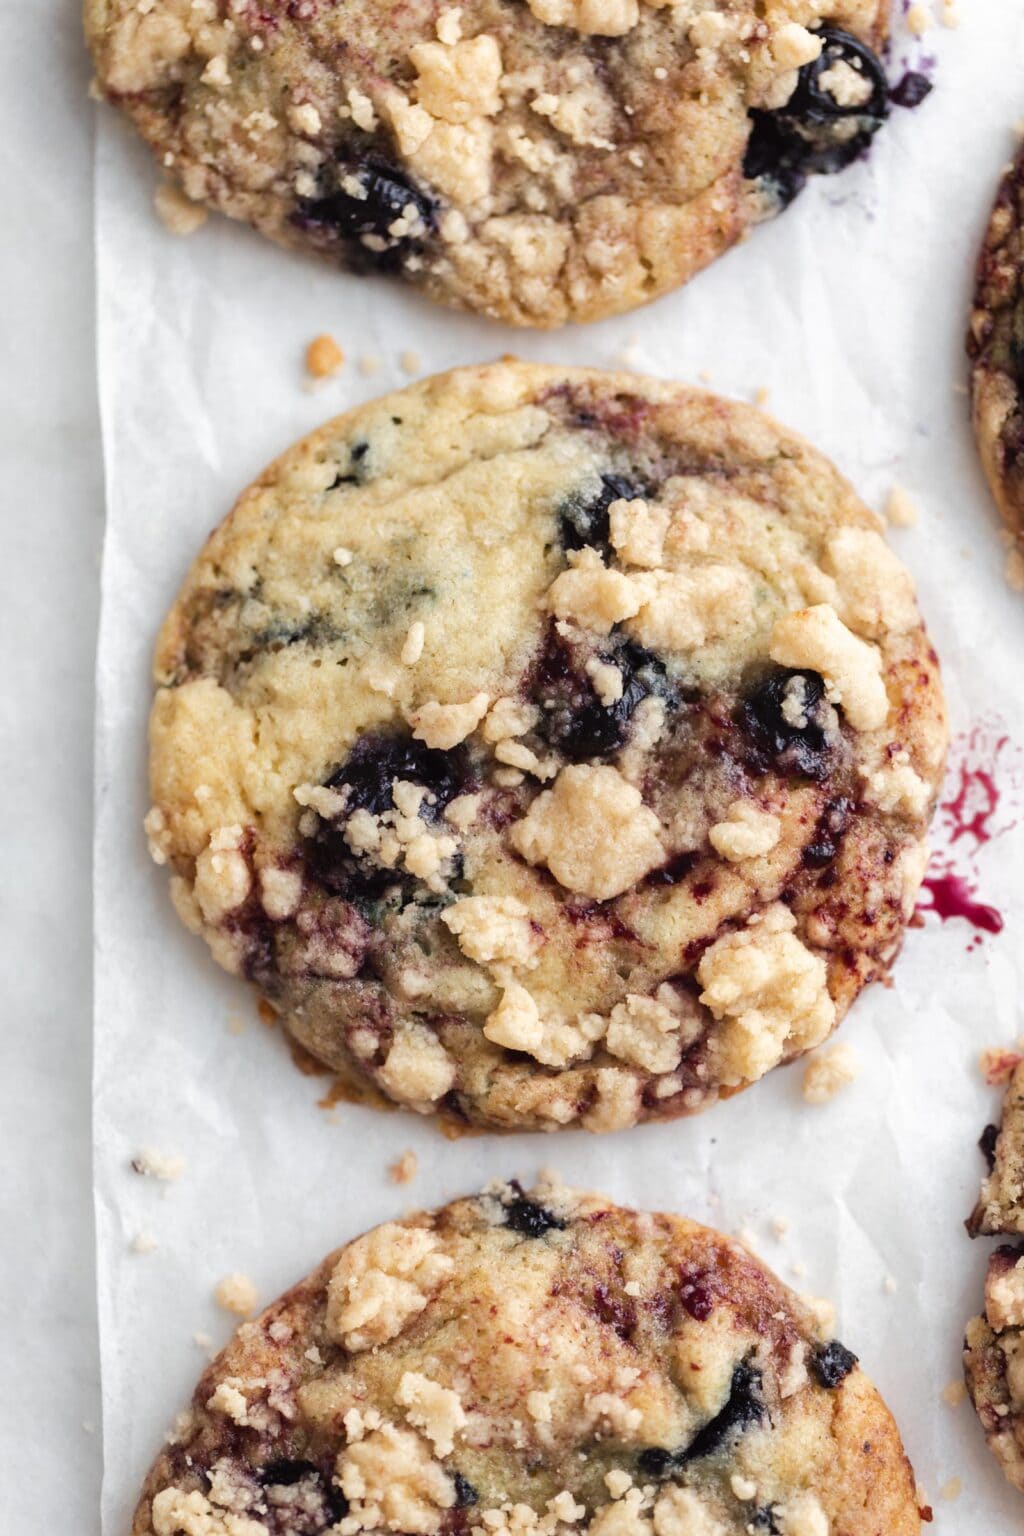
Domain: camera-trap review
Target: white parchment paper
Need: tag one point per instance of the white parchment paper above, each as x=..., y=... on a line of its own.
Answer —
x=850, y=310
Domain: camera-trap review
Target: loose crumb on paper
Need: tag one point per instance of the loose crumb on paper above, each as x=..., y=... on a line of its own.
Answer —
x=890, y=1285
x=176, y=212
x=900, y=508
x=998, y=1065
x=954, y=1393
x=144, y=1242
x=405, y=1168
x=827, y=1072
x=919, y=18
x=369, y=364
x=952, y=1488
x=324, y=358
x=236, y=1293
x=410, y=362
x=761, y=396
x=152, y=1164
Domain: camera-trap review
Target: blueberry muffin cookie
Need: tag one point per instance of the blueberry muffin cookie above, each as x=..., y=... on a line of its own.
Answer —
x=995, y=345
x=994, y=1361
x=548, y=746
x=1000, y=1207
x=535, y=160
x=542, y=1363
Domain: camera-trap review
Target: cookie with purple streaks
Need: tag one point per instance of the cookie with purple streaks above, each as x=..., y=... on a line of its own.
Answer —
x=538, y=161
x=994, y=1361
x=549, y=747
x=1000, y=1207
x=463, y=1372
x=995, y=346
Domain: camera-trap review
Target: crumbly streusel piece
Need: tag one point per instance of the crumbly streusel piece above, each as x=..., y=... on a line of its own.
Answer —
x=539, y=162
x=633, y=816
x=560, y=1366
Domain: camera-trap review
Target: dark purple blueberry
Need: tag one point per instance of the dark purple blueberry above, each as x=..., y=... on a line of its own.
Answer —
x=656, y=1462
x=284, y=1473
x=814, y=134
x=573, y=720
x=584, y=520
x=527, y=1217
x=792, y=749
x=911, y=90
x=368, y=773
x=987, y=1144
x=832, y=1363
x=287, y=1472
x=377, y=760
x=744, y=1406
x=465, y=1493
x=828, y=834
x=698, y=1301
x=363, y=218
x=677, y=868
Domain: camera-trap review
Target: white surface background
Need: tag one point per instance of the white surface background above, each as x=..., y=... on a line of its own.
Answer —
x=851, y=311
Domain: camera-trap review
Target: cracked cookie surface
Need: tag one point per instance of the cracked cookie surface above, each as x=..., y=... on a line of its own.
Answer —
x=549, y=747
x=995, y=345
x=534, y=1364
x=535, y=160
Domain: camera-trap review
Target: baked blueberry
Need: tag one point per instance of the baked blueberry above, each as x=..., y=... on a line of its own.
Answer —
x=376, y=207
x=833, y=1363
x=584, y=518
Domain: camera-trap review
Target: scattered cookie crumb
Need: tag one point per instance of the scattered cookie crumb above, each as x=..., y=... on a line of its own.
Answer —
x=998, y=1065
x=236, y=1293
x=177, y=212
x=951, y=1489
x=412, y=649
x=890, y=1285
x=761, y=396
x=949, y=15
x=900, y=509
x=799, y=1269
x=954, y=1393
x=236, y=1024
x=704, y=376
x=404, y=1169
x=144, y=1242
x=1014, y=570
x=410, y=362
x=780, y=1227
x=369, y=364
x=158, y=1165
x=919, y=18
x=827, y=1072
x=324, y=358
x=202, y=1341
